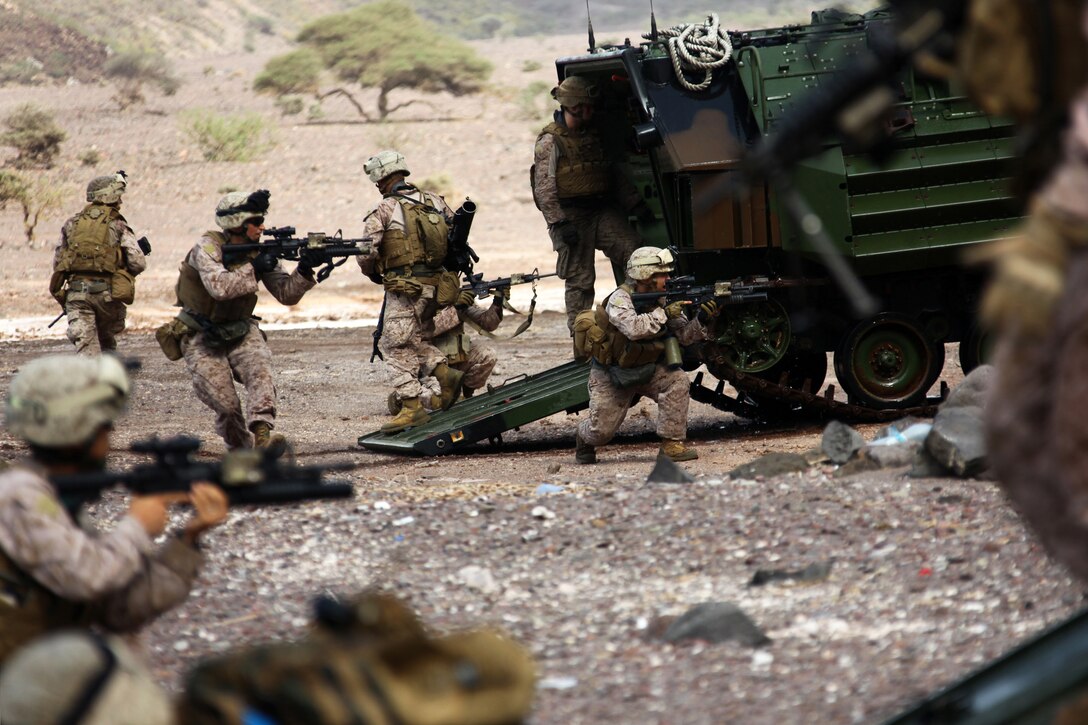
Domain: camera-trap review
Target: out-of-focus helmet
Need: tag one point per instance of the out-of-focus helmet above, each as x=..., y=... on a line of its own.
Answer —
x=77, y=676
x=62, y=400
x=107, y=189
x=648, y=261
x=237, y=206
x=574, y=91
x=384, y=163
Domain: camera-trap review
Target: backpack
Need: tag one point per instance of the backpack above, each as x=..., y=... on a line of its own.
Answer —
x=367, y=661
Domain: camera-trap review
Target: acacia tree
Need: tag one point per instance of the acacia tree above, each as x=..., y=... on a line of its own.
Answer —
x=33, y=197
x=385, y=46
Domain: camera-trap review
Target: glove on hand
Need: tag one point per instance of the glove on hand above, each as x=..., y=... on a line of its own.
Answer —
x=568, y=233
x=305, y=266
x=675, y=309
x=708, y=310
x=643, y=213
x=264, y=262
x=465, y=299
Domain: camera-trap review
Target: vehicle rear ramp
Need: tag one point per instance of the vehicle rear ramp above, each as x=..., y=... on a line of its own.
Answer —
x=487, y=415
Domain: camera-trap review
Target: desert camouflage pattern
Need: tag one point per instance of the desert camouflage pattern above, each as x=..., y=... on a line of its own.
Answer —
x=250, y=360
x=1035, y=416
x=410, y=358
x=481, y=355
x=119, y=574
x=608, y=404
x=95, y=319
x=409, y=322
x=388, y=214
x=603, y=228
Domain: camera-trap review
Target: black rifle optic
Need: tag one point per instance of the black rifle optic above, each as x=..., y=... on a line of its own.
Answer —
x=317, y=249
x=248, y=476
x=459, y=255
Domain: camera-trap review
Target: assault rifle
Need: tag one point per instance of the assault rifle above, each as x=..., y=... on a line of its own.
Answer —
x=317, y=249
x=248, y=476
x=459, y=256
x=483, y=288
x=733, y=292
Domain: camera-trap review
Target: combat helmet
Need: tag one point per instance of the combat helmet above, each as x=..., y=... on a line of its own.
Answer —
x=62, y=400
x=384, y=163
x=237, y=206
x=107, y=189
x=574, y=91
x=648, y=261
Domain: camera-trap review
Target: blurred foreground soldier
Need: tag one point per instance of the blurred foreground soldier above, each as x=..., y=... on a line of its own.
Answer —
x=409, y=230
x=369, y=660
x=94, y=268
x=474, y=359
x=635, y=350
x=1038, y=299
x=584, y=199
x=55, y=573
x=216, y=331
x=79, y=678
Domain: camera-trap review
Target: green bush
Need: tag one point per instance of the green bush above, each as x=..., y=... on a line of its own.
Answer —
x=291, y=73
x=90, y=157
x=533, y=101
x=34, y=133
x=241, y=137
x=290, y=105
x=133, y=68
x=530, y=66
x=440, y=184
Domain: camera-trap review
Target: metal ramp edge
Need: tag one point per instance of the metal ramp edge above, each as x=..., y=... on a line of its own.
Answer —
x=486, y=416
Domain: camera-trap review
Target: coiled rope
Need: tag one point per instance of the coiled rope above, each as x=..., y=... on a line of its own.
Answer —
x=694, y=48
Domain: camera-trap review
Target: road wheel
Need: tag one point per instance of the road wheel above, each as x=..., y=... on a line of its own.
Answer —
x=888, y=362
x=976, y=349
x=753, y=337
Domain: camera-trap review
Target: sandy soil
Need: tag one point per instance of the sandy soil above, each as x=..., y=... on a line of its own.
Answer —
x=929, y=578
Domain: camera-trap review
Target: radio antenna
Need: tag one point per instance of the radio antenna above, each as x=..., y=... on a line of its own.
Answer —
x=653, y=23
x=589, y=22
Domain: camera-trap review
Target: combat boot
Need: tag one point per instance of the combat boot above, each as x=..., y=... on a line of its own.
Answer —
x=263, y=437
x=411, y=414
x=583, y=452
x=450, y=381
x=677, y=450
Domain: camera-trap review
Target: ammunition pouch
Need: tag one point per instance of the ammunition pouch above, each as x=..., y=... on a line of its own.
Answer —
x=636, y=354
x=448, y=289
x=169, y=337
x=455, y=346
x=588, y=337
x=627, y=377
x=217, y=335
x=123, y=286
x=407, y=286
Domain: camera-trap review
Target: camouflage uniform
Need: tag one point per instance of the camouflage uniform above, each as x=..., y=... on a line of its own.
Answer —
x=608, y=403
x=475, y=358
x=600, y=220
x=1035, y=423
x=249, y=360
x=94, y=317
x=408, y=316
x=56, y=574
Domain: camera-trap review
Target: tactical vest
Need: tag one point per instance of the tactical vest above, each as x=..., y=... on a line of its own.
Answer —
x=29, y=610
x=89, y=248
x=422, y=241
x=581, y=169
x=193, y=296
x=595, y=336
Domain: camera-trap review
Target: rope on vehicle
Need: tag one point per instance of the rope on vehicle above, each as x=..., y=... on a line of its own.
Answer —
x=697, y=47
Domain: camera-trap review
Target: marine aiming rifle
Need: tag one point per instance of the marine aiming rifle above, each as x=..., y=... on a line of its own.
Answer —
x=247, y=476
x=317, y=249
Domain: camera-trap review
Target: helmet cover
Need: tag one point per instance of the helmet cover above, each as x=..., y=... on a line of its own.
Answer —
x=384, y=163
x=648, y=261
x=237, y=206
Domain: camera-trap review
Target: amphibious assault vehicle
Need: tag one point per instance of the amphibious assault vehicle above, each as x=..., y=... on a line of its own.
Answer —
x=901, y=224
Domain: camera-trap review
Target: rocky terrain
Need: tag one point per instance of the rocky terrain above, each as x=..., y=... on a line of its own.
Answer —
x=923, y=579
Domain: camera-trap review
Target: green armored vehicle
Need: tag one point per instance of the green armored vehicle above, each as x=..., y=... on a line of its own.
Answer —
x=901, y=225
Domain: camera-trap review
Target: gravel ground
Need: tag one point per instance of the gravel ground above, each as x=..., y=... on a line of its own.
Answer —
x=929, y=578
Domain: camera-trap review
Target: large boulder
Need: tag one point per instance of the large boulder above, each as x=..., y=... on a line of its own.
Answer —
x=957, y=441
